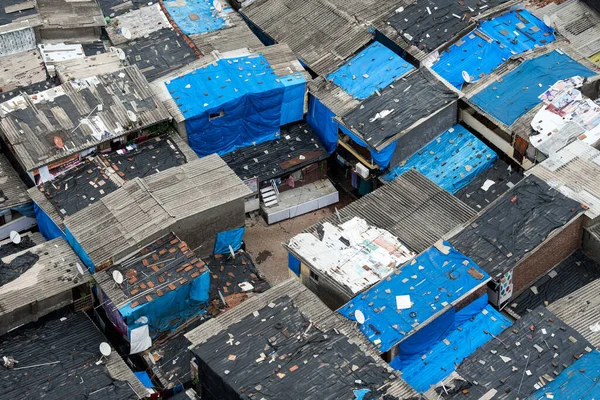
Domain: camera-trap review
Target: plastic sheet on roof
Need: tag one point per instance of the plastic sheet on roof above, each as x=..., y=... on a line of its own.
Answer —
x=511, y=33
x=539, y=343
x=372, y=69
x=567, y=115
x=518, y=31
x=472, y=54
x=451, y=160
x=354, y=254
x=195, y=17
x=235, y=102
x=518, y=91
x=434, y=281
x=473, y=326
x=578, y=382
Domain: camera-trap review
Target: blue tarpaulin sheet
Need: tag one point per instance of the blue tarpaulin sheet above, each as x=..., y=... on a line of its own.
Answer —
x=322, y=120
x=512, y=33
x=580, y=381
x=452, y=160
x=195, y=17
x=236, y=102
x=433, y=280
x=372, y=69
x=518, y=91
x=79, y=250
x=465, y=335
x=46, y=225
x=294, y=264
x=144, y=378
x=181, y=303
x=473, y=55
x=231, y=238
x=381, y=158
x=25, y=209
x=518, y=31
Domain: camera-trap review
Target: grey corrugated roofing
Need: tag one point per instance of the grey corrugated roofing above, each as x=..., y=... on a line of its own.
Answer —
x=515, y=225
x=18, y=14
x=30, y=124
x=177, y=152
x=412, y=208
x=65, y=14
x=146, y=208
x=54, y=273
x=21, y=69
x=309, y=305
x=410, y=101
x=79, y=68
x=234, y=37
x=137, y=24
x=576, y=21
x=322, y=36
x=13, y=192
x=574, y=171
x=68, y=350
x=581, y=310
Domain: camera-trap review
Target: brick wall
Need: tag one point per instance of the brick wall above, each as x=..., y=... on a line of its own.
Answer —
x=552, y=252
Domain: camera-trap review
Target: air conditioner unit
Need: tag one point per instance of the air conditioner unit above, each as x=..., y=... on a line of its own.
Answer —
x=362, y=170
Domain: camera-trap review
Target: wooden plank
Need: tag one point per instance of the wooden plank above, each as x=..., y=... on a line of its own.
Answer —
x=311, y=155
x=26, y=5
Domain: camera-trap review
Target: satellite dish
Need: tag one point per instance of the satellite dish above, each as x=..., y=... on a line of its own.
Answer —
x=15, y=237
x=120, y=53
x=132, y=116
x=466, y=77
x=126, y=33
x=360, y=317
x=79, y=269
x=232, y=252
x=547, y=20
x=218, y=6
x=117, y=276
x=58, y=142
x=105, y=349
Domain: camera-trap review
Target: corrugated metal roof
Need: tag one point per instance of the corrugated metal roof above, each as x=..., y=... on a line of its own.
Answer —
x=234, y=37
x=144, y=209
x=80, y=113
x=65, y=14
x=136, y=24
x=53, y=274
x=14, y=191
x=576, y=21
x=320, y=34
x=311, y=308
x=21, y=69
x=581, y=310
x=99, y=162
x=80, y=68
x=412, y=208
x=65, y=354
x=574, y=172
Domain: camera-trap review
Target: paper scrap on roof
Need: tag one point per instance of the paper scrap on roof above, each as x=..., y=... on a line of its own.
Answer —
x=567, y=115
x=355, y=254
